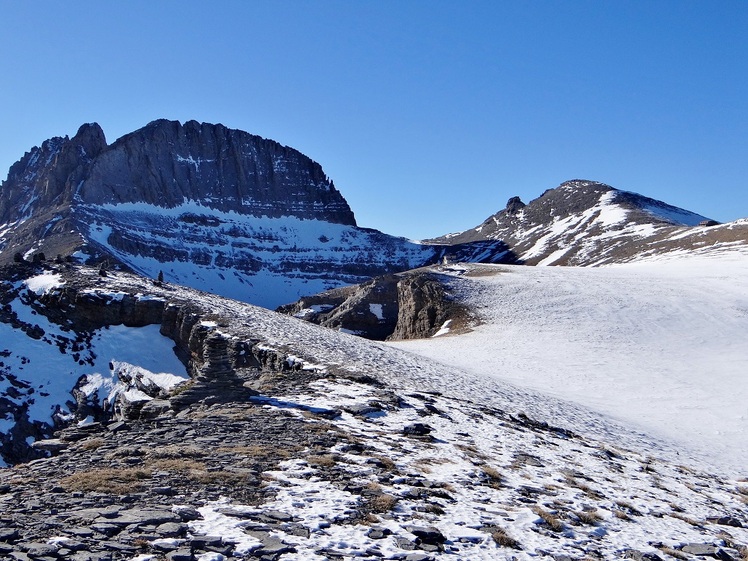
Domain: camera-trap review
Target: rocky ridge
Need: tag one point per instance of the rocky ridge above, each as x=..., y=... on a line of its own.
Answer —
x=586, y=223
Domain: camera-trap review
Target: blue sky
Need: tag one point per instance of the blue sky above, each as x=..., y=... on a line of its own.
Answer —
x=427, y=115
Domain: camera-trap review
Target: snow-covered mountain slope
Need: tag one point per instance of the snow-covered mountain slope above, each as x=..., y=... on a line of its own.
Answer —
x=266, y=261
x=659, y=345
x=589, y=223
x=388, y=455
x=209, y=207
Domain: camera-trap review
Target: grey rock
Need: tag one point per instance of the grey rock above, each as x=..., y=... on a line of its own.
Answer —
x=155, y=408
x=52, y=445
x=640, y=555
x=106, y=528
x=91, y=556
x=378, y=533
x=699, y=549
x=40, y=550
x=143, y=517
x=417, y=429
x=8, y=534
x=180, y=555
x=186, y=513
x=404, y=543
x=726, y=521
x=278, y=515
x=117, y=426
x=171, y=530
x=427, y=534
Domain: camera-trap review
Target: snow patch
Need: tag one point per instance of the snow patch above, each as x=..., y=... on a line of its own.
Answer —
x=46, y=282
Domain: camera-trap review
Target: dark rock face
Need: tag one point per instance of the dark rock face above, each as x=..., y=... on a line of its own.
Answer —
x=47, y=176
x=166, y=163
x=391, y=307
x=514, y=205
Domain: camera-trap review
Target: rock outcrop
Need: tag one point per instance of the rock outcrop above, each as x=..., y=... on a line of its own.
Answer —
x=411, y=305
x=222, y=364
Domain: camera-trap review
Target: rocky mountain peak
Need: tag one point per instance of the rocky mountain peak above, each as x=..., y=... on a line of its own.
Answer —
x=90, y=139
x=581, y=222
x=167, y=163
x=514, y=205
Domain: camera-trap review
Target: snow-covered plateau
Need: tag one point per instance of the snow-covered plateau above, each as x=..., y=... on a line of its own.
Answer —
x=657, y=345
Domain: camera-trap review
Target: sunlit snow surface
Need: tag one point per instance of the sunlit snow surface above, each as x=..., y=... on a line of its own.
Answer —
x=658, y=345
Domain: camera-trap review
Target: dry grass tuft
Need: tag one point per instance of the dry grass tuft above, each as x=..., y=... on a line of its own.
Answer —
x=177, y=452
x=621, y=515
x=549, y=518
x=505, y=540
x=385, y=463
x=323, y=460
x=106, y=480
x=685, y=518
x=92, y=443
x=627, y=508
x=382, y=503
x=261, y=451
x=589, y=517
x=673, y=552
x=472, y=452
x=742, y=494
x=179, y=465
x=493, y=476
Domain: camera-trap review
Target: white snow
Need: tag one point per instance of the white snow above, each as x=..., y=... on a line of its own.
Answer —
x=277, y=250
x=44, y=283
x=659, y=346
x=376, y=309
x=469, y=443
x=444, y=329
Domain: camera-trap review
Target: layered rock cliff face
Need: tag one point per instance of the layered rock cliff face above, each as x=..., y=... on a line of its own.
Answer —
x=165, y=164
x=210, y=207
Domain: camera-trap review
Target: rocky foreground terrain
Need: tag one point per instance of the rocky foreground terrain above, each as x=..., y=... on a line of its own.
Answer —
x=291, y=441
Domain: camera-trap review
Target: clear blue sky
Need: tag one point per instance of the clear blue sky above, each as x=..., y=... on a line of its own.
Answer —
x=427, y=115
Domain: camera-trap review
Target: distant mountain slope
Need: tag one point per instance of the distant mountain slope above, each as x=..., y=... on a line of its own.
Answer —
x=211, y=207
x=589, y=223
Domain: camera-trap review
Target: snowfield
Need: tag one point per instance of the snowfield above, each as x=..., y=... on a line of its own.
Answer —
x=659, y=346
